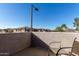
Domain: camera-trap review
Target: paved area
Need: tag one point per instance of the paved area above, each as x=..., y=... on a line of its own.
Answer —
x=32, y=51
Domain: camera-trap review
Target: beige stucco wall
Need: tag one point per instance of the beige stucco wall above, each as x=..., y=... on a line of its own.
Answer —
x=14, y=42
x=48, y=37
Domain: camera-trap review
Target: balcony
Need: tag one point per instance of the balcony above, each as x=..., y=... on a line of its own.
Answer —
x=31, y=44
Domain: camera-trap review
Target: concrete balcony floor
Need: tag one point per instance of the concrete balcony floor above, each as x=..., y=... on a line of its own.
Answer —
x=33, y=51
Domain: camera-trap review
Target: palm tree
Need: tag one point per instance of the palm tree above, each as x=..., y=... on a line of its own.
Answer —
x=76, y=23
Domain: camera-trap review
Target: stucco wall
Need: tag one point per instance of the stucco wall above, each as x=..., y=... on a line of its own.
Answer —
x=48, y=37
x=14, y=42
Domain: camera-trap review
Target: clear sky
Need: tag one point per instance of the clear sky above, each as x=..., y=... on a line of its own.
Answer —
x=49, y=15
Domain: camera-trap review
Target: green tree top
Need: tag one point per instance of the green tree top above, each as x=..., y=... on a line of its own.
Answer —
x=76, y=23
x=61, y=28
x=64, y=26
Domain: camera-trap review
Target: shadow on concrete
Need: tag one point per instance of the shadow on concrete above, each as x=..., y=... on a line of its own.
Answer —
x=36, y=42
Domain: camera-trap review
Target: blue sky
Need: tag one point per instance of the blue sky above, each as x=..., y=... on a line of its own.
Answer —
x=49, y=15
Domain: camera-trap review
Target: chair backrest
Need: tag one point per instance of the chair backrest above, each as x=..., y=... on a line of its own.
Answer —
x=68, y=40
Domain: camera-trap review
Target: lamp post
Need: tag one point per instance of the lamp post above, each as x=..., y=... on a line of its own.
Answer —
x=31, y=16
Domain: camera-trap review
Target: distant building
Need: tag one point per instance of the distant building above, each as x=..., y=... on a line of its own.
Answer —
x=22, y=29
x=2, y=31
x=42, y=30
x=16, y=30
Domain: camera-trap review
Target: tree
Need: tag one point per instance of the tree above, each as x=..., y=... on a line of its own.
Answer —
x=63, y=27
x=58, y=29
x=76, y=23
